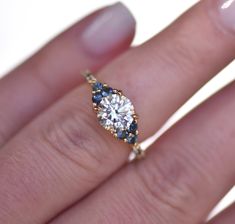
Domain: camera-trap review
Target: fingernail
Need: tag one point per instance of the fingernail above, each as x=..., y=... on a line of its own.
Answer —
x=227, y=12
x=108, y=30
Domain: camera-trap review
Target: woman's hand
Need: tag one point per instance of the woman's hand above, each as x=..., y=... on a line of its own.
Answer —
x=58, y=165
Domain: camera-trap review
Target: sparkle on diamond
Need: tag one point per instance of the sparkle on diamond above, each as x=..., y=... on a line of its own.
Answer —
x=115, y=112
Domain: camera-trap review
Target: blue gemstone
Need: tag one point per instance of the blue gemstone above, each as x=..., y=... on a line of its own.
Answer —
x=121, y=134
x=97, y=98
x=133, y=127
x=132, y=139
x=97, y=86
x=106, y=91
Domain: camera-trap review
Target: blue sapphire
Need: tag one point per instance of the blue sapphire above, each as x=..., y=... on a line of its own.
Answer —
x=106, y=91
x=132, y=139
x=96, y=98
x=133, y=127
x=97, y=86
x=122, y=134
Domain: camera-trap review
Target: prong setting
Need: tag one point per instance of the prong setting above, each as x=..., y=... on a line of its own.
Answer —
x=114, y=111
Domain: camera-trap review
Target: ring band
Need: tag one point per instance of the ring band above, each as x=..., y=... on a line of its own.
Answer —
x=116, y=113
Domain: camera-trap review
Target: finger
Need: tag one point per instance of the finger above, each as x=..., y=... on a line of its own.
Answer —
x=225, y=217
x=55, y=69
x=176, y=60
x=67, y=143
x=187, y=172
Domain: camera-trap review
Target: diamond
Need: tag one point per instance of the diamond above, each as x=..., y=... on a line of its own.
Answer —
x=115, y=112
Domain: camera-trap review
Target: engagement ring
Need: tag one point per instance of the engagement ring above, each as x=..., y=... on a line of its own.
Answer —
x=115, y=112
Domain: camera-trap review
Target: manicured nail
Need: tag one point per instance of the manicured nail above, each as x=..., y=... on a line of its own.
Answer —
x=227, y=12
x=108, y=30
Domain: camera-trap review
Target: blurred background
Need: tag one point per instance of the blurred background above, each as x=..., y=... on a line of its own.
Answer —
x=27, y=25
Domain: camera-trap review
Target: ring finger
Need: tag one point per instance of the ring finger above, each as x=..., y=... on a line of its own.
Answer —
x=185, y=174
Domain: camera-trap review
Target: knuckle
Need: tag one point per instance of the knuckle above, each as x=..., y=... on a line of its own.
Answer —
x=169, y=185
x=19, y=183
x=184, y=57
x=74, y=136
x=182, y=61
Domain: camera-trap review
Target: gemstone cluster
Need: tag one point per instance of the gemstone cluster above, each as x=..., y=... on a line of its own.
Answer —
x=115, y=112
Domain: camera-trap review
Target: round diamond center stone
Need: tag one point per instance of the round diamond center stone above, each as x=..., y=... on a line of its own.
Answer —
x=115, y=112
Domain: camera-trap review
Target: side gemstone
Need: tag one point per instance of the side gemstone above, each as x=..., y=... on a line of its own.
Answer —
x=132, y=139
x=133, y=127
x=121, y=134
x=97, y=86
x=97, y=97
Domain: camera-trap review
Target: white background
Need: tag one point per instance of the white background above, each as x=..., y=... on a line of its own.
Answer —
x=27, y=24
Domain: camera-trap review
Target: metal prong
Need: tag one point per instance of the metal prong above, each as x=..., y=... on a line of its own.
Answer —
x=89, y=76
x=135, y=116
x=137, y=153
x=120, y=92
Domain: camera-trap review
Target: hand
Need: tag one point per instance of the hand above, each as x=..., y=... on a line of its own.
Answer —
x=58, y=166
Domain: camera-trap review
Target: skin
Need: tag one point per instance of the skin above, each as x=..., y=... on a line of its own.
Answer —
x=57, y=165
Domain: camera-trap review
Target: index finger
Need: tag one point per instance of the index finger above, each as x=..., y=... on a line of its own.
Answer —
x=54, y=70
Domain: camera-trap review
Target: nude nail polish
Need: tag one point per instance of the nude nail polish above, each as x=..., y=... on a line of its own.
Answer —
x=108, y=30
x=227, y=12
